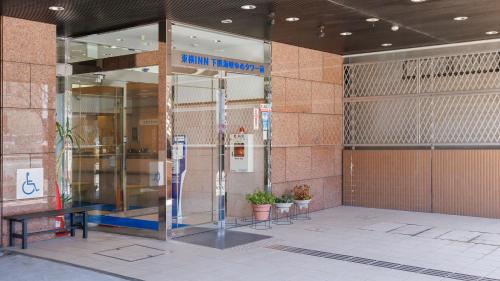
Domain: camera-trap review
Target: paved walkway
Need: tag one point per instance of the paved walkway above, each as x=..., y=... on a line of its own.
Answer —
x=345, y=243
x=25, y=268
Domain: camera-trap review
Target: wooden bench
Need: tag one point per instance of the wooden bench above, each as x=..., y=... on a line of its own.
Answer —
x=24, y=218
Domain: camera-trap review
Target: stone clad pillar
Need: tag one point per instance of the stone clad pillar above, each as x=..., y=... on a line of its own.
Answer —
x=307, y=123
x=28, y=78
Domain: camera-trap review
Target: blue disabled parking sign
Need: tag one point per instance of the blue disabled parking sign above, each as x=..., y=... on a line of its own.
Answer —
x=29, y=183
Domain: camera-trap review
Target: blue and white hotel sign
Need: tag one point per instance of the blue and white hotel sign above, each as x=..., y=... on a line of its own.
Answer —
x=218, y=63
x=29, y=183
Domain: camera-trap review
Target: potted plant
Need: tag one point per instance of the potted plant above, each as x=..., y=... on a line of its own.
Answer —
x=302, y=196
x=284, y=203
x=261, y=203
x=67, y=139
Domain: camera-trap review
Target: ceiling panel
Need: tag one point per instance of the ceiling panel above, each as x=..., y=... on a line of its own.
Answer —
x=422, y=24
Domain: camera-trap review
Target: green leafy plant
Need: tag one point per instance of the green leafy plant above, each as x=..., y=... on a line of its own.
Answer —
x=68, y=138
x=285, y=198
x=260, y=198
x=302, y=192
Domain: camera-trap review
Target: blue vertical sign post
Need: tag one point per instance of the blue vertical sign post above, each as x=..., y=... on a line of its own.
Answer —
x=179, y=168
x=265, y=110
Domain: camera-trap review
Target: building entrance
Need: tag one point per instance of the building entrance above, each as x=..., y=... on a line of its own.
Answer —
x=218, y=151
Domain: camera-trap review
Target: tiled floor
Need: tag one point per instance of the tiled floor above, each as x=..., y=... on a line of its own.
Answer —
x=441, y=242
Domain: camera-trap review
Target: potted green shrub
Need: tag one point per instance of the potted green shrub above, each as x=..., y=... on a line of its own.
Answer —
x=284, y=203
x=302, y=196
x=261, y=203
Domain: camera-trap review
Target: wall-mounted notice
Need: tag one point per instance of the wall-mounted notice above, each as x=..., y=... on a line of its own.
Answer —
x=29, y=183
x=265, y=109
x=256, y=119
x=157, y=173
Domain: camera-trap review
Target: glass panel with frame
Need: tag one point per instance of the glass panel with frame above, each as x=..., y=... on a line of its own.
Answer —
x=116, y=169
x=196, y=100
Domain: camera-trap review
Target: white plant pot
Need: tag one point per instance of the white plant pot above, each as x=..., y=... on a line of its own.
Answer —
x=303, y=204
x=283, y=207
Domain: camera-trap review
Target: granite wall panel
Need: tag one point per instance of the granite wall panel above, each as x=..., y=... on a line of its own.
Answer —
x=28, y=78
x=307, y=123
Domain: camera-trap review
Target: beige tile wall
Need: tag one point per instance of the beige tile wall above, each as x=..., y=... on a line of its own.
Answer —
x=28, y=77
x=307, y=123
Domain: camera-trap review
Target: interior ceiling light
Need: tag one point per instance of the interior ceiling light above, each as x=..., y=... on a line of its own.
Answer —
x=461, y=18
x=321, y=32
x=386, y=44
x=113, y=47
x=395, y=27
x=217, y=41
x=418, y=1
x=226, y=21
x=107, y=54
x=193, y=36
x=346, y=33
x=292, y=19
x=119, y=39
x=372, y=19
x=491, y=32
x=271, y=16
x=194, y=45
x=248, y=7
x=56, y=8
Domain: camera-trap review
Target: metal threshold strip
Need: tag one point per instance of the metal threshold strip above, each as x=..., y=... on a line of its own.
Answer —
x=384, y=264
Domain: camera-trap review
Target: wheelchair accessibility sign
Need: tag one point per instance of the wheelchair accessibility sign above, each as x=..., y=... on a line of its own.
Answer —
x=29, y=183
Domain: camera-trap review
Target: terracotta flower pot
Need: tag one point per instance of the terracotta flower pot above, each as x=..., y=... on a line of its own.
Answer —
x=261, y=212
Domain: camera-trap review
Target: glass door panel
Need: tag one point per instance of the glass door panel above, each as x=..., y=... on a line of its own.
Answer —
x=116, y=171
x=97, y=164
x=194, y=151
x=244, y=145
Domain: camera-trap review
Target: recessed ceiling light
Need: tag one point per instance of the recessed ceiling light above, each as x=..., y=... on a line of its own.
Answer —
x=461, y=18
x=56, y=8
x=346, y=33
x=491, y=32
x=113, y=47
x=226, y=21
x=418, y=1
x=292, y=19
x=119, y=39
x=386, y=44
x=217, y=41
x=193, y=36
x=372, y=19
x=248, y=7
x=395, y=27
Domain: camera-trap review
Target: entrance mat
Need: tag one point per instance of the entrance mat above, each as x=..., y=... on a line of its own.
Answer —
x=132, y=253
x=384, y=264
x=222, y=239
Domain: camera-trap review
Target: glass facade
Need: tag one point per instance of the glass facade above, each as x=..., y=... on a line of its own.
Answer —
x=217, y=149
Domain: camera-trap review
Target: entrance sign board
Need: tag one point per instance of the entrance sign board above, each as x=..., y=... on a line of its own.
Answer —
x=29, y=183
x=180, y=58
